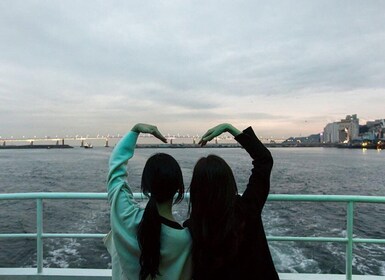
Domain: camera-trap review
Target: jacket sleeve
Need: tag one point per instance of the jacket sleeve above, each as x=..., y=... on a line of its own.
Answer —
x=124, y=210
x=258, y=186
x=125, y=213
x=117, y=165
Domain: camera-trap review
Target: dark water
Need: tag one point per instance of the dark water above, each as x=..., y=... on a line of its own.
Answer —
x=296, y=171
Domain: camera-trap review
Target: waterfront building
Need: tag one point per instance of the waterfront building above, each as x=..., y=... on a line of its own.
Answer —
x=343, y=131
x=330, y=134
x=373, y=130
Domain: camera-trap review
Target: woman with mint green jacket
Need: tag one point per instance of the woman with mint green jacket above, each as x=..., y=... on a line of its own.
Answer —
x=146, y=243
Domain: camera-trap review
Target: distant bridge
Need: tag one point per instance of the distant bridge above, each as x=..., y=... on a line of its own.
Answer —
x=58, y=140
x=86, y=139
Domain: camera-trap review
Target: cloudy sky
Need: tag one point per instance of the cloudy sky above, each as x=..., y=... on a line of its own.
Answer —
x=95, y=67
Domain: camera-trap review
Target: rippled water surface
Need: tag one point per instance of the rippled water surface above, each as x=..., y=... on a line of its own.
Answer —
x=296, y=171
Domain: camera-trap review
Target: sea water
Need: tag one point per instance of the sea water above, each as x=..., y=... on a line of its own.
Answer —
x=295, y=171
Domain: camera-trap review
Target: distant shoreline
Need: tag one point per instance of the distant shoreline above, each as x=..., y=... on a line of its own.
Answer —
x=236, y=145
x=268, y=145
x=186, y=145
x=17, y=147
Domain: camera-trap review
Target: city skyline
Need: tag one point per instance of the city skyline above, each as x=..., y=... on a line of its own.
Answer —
x=285, y=68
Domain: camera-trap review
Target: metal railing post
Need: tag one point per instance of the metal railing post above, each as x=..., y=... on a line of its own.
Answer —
x=39, y=234
x=349, y=244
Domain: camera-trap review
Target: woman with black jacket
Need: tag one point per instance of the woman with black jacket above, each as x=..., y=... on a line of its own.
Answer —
x=229, y=240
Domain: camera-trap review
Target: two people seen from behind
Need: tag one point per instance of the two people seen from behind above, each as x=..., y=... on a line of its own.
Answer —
x=224, y=236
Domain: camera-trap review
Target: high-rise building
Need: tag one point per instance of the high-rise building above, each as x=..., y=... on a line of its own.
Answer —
x=343, y=131
x=330, y=134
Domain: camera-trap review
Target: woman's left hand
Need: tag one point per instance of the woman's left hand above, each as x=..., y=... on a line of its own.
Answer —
x=148, y=128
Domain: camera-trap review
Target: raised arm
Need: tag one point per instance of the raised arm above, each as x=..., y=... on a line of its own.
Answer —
x=258, y=186
x=123, y=151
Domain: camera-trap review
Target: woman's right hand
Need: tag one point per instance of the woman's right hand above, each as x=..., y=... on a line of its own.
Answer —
x=148, y=128
x=218, y=130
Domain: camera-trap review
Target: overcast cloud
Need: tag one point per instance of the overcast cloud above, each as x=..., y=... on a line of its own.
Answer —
x=98, y=67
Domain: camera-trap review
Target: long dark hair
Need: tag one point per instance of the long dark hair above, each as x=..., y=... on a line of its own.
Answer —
x=214, y=222
x=161, y=180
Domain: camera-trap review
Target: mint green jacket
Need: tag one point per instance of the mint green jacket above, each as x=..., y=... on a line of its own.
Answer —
x=121, y=242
